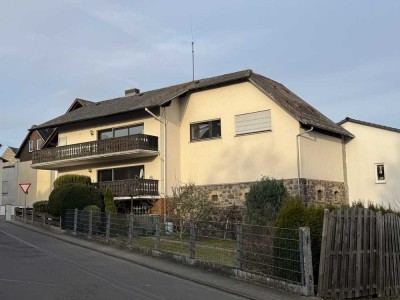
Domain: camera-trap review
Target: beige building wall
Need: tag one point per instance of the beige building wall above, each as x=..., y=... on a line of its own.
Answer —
x=321, y=157
x=41, y=184
x=232, y=158
x=369, y=147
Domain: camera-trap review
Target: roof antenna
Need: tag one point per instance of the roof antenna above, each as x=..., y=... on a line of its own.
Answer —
x=191, y=30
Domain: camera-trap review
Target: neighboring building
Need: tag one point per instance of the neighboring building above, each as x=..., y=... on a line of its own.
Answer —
x=373, y=163
x=221, y=133
x=41, y=180
x=9, y=171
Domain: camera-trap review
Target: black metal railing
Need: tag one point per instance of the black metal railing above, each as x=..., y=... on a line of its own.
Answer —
x=98, y=147
x=130, y=187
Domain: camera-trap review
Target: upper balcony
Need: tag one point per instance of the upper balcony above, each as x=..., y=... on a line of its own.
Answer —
x=113, y=149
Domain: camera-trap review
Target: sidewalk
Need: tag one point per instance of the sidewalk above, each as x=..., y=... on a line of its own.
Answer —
x=212, y=279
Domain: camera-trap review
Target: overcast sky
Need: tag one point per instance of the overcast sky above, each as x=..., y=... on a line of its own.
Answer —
x=342, y=57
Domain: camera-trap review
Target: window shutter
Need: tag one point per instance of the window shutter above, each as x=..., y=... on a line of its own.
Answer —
x=253, y=122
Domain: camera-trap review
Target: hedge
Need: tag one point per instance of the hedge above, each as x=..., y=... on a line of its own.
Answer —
x=41, y=206
x=72, y=195
x=72, y=178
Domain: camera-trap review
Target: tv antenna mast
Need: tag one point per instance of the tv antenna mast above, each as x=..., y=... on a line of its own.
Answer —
x=191, y=30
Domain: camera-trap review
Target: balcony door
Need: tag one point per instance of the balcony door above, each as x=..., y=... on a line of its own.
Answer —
x=120, y=173
x=121, y=131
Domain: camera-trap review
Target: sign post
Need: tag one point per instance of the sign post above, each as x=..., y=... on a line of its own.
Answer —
x=25, y=187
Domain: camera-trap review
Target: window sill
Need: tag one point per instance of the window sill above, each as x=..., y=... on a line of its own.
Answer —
x=251, y=133
x=203, y=140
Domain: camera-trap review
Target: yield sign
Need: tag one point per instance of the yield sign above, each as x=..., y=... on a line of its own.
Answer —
x=25, y=187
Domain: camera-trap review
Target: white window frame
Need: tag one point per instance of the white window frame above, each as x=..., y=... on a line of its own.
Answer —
x=30, y=146
x=377, y=180
x=38, y=147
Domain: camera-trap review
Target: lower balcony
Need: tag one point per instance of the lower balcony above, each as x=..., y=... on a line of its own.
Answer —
x=130, y=188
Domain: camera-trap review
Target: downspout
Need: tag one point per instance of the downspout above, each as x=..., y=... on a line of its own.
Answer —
x=298, y=158
x=164, y=122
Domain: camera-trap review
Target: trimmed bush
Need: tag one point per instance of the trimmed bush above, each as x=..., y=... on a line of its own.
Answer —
x=109, y=203
x=41, y=206
x=72, y=178
x=264, y=201
x=93, y=208
x=72, y=195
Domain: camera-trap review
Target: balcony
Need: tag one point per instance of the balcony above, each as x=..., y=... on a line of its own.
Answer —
x=130, y=187
x=120, y=148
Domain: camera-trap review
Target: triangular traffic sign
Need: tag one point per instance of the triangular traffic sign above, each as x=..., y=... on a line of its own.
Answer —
x=25, y=187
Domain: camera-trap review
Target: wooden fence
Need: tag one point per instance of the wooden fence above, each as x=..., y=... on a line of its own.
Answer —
x=360, y=254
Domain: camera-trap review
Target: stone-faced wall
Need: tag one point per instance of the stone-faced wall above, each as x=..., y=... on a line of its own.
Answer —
x=311, y=191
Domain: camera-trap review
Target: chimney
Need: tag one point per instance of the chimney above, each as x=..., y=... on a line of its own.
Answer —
x=131, y=92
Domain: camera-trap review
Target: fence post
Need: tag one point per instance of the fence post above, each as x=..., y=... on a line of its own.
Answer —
x=239, y=245
x=33, y=213
x=90, y=224
x=75, y=220
x=61, y=221
x=44, y=219
x=322, y=258
x=130, y=230
x=157, y=220
x=192, y=244
x=108, y=225
x=306, y=261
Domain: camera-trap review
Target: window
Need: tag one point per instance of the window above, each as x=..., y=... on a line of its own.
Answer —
x=121, y=173
x=30, y=146
x=205, y=130
x=122, y=131
x=319, y=195
x=380, y=176
x=253, y=122
x=39, y=144
x=4, y=187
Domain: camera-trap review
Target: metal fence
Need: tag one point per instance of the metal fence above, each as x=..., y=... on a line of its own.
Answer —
x=268, y=251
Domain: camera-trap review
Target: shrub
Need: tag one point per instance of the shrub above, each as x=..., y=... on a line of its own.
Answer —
x=72, y=195
x=41, y=206
x=264, y=201
x=92, y=207
x=109, y=203
x=72, y=178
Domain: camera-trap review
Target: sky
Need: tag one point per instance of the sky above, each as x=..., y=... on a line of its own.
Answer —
x=342, y=56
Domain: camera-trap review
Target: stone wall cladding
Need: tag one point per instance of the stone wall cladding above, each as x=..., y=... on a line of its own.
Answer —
x=312, y=191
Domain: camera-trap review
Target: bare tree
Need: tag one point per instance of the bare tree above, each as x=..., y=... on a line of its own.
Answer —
x=188, y=202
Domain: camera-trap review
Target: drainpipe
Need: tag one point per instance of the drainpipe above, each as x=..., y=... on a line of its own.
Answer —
x=164, y=122
x=298, y=158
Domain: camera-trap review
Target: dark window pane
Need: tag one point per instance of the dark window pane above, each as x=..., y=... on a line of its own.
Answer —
x=137, y=129
x=121, y=132
x=216, y=128
x=200, y=131
x=105, y=175
x=127, y=173
x=106, y=134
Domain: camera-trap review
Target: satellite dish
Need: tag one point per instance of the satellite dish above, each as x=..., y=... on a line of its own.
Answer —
x=141, y=174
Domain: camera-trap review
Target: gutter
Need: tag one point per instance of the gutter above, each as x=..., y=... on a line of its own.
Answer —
x=298, y=158
x=164, y=122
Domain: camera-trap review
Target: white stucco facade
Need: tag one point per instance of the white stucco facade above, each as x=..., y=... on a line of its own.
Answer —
x=372, y=147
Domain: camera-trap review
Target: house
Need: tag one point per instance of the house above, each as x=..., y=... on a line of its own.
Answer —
x=222, y=133
x=9, y=177
x=373, y=163
x=41, y=180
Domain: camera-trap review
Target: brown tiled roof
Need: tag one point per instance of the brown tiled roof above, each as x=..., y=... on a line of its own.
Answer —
x=299, y=109
x=368, y=124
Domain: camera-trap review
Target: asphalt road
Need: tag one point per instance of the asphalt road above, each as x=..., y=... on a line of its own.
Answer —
x=36, y=266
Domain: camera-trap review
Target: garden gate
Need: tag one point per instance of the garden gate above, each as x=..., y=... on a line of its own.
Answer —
x=360, y=254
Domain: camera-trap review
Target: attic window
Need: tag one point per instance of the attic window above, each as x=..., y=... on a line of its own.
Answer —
x=30, y=146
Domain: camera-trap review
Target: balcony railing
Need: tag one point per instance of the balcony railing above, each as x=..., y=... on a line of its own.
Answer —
x=99, y=147
x=130, y=187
